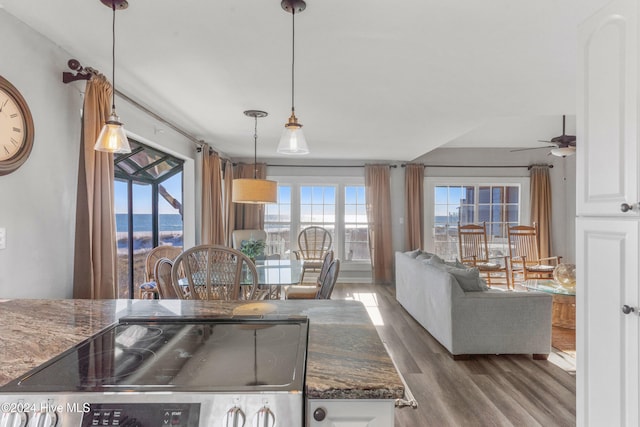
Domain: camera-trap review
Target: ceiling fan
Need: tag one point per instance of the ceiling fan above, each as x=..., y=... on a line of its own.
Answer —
x=565, y=145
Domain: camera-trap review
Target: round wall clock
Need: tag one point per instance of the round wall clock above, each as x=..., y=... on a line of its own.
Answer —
x=16, y=128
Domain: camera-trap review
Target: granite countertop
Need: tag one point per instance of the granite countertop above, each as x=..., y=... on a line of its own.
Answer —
x=346, y=358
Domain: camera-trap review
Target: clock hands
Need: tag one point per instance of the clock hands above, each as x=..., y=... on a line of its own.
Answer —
x=3, y=104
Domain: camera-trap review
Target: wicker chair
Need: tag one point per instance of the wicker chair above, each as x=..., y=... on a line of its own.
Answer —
x=524, y=256
x=149, y=289
x=313, y=243
x=212, y=272
x=474, y=252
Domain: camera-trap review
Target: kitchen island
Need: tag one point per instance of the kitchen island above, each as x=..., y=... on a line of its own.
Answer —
x=346, y=359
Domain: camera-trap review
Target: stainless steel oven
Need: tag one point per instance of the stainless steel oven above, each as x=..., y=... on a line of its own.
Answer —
x=178, y=372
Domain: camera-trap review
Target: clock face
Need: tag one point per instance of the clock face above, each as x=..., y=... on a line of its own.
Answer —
x=12, y=127
x=16, y=128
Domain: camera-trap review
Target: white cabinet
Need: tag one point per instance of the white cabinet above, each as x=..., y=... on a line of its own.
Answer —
x=607, y=377
x=607, y=166
x=350, y=413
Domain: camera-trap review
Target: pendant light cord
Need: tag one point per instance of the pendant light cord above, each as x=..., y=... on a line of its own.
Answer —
x=255, y=149
x=113, y=58
x=293, y=56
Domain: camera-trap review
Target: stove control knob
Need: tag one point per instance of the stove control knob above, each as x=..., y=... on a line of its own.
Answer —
x=44, y=419
x=234, y=418
x=14, y=419
x=264, y=418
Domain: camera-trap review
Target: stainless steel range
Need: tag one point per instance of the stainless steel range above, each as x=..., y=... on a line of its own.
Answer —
x=170, y=372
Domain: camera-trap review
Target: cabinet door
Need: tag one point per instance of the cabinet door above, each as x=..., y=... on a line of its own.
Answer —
x=607, y=339
x=607, y=120
x=350, y=413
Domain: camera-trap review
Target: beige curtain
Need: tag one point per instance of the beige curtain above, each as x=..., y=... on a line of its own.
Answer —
x=95, y=259
x=414, y=206
x=228, y=208
x=541, y=207
x=249, y=216
x=378, y=195
x=212, y=207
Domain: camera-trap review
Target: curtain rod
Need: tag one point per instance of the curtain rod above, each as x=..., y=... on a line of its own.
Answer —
x=479, y=166
x=323, y=166
x=83, y=73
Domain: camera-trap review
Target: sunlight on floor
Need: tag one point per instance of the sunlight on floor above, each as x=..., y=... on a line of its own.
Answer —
x=370, y=302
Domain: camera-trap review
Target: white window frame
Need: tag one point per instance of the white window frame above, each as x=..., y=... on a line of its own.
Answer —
x=339, y=182
x=429, y=197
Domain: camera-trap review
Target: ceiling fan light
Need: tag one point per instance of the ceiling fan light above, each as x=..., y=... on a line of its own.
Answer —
x=112, y=138
x=563, y=151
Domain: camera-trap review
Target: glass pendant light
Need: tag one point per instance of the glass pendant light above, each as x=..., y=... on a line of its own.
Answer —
x=112, y=138
x=292, y=140
x=254, y=191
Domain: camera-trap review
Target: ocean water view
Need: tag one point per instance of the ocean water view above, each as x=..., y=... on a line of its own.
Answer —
x=169, y=227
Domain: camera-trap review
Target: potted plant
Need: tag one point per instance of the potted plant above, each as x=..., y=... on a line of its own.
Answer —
x=252, y=248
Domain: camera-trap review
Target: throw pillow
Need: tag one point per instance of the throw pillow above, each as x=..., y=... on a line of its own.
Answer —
x=468, y=279
x=424, y=256
x=413, y=254
x=436, y=260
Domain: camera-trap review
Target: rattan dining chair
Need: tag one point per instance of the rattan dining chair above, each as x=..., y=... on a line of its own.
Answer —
x=474, y=252
x=162, y=272
x=313, y=243
x=213, y=272
x=524, y=256
x=149, y=289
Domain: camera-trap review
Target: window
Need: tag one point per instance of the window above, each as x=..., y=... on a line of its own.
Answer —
x=337, y=206
x=498, y=202
x=148, y=209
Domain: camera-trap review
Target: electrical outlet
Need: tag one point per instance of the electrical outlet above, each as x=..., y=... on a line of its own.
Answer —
x=3, y=238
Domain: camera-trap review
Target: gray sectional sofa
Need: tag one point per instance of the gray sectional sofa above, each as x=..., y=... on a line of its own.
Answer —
x=472, y=322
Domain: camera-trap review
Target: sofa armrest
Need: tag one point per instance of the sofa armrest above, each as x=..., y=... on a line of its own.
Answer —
x=502, y=322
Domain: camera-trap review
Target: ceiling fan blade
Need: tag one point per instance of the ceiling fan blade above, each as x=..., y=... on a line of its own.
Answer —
x=532, y=148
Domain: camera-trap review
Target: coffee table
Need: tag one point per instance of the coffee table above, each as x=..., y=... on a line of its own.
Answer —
x=563, y=313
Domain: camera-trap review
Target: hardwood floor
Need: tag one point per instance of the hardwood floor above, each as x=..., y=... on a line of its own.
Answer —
x=491, y=390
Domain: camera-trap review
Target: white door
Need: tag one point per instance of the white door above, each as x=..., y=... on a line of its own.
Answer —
x=607, y=114
x=608, y=354
x=607, y=376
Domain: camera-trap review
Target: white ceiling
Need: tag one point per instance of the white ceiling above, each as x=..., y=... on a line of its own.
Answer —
x=374, y=79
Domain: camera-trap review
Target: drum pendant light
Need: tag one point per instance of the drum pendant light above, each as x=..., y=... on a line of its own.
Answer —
x=112, y=138
x=254, y=191
x=292, y=140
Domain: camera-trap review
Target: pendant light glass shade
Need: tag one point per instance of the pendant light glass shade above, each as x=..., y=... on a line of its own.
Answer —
x=112, y=138
x=292, y=140
x=254, y=191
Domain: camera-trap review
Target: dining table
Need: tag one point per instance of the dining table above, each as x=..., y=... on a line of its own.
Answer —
x=273, y=274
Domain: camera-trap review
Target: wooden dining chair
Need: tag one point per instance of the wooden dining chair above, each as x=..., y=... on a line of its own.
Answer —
x=310, y=291
x=524, y=257
x=474, y=252
x=322, y=291
x=313, y=243
x=213, y=272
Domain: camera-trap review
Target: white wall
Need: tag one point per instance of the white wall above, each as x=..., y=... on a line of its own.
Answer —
x=37, y=202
